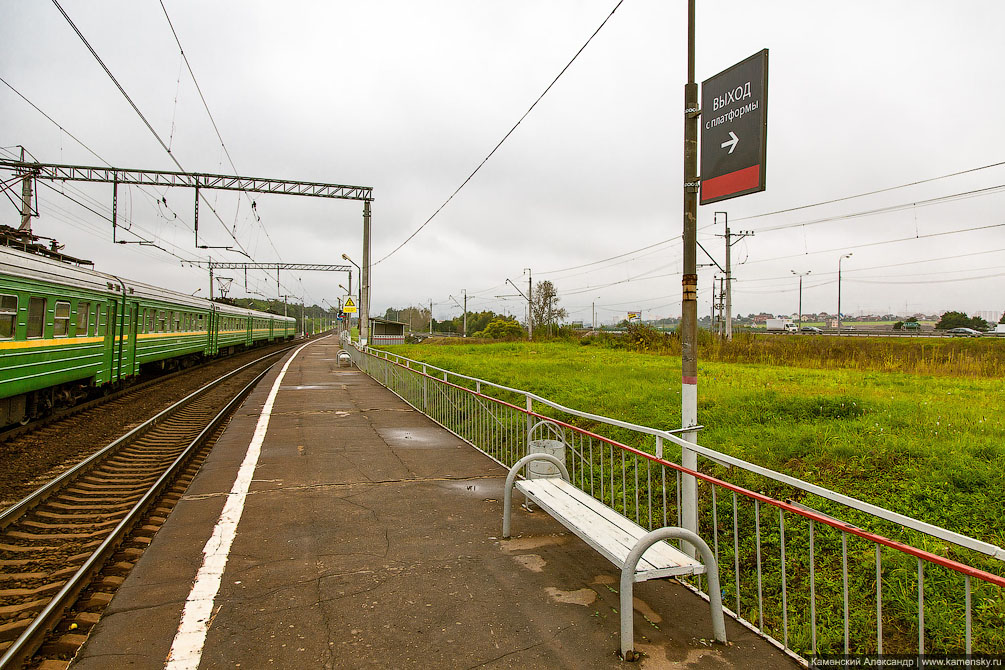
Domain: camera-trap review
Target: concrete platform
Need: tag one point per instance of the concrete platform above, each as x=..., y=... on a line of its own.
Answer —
x=370, y=539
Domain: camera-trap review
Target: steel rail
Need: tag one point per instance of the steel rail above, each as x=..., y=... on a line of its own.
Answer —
x=725, y=459
x=34, y=635
x=16, y=511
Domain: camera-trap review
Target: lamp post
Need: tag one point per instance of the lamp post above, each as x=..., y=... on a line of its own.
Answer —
x=839, y=291
x=359, y=286
x=801, y=275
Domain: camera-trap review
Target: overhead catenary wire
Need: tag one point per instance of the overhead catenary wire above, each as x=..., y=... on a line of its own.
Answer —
x=212, y=120
x=505, y=137
x=868, y=193
x=144, y=119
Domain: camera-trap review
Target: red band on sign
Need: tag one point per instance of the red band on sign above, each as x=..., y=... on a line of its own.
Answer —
x=734, y=182
x=690, y=380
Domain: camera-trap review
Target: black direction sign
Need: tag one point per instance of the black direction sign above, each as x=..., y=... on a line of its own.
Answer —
x=734, y=114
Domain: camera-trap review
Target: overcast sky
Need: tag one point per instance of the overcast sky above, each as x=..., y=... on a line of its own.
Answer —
x=409, y=97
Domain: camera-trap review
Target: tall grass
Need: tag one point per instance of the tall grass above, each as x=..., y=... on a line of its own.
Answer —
x=964, y=357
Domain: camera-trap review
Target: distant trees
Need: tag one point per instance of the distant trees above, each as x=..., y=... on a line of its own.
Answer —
x=501, y=328
x=1002, y=320
x=960, y=320
x=544, y=305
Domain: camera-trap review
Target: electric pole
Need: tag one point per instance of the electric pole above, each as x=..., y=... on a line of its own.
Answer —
x=530, y=306
x=430, y=317
x=800, y=275
x=689, y=286
x=25, y=199
x=364, y=282
x=465, y=312
x=728, y=316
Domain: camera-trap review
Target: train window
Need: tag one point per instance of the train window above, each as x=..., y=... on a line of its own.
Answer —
x=83, y=313
x=36, y=316
x=99, y=318
x=61, y=325
x=8, y=316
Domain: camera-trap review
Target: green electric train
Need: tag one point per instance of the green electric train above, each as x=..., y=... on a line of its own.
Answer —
x=67, y=332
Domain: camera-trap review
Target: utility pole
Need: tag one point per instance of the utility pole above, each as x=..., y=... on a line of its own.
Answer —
x=530, y=315
x=530, y=305
x=689, y=286
x=364, y=283
x=728, y=316
x=801, y=275
x=839, y=291
x=430, y=317
x=25, y=199
x=593, y=322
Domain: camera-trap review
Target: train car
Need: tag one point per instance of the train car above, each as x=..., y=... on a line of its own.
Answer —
x=66, y=331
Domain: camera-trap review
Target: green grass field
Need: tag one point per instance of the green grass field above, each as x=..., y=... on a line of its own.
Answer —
x=928, y=445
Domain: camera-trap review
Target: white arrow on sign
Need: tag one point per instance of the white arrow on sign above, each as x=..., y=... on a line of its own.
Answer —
x=732, y=142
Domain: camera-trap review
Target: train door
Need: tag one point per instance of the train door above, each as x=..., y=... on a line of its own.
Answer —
x=214, y=331
x=130, y=367
x=111, y=360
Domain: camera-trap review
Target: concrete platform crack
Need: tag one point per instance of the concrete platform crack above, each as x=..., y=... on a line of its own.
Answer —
x=517, y=651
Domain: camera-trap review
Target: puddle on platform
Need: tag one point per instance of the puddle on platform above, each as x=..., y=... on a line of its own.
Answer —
x=474, y=488
x=413, y=438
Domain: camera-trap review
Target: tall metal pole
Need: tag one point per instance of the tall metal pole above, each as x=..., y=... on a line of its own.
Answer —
x=689, y=298
x=430, y=317
x=801, y=275
x=26, y=199
x=839, y=291
x=364, y=282
x=465, y=312
x=530, y=306
x=728, y=318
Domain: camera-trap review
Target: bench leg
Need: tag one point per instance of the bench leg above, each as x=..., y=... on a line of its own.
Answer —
x=628, y=583
x=511, y=478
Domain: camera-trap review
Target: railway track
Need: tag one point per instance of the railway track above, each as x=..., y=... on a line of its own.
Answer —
x=65, y=548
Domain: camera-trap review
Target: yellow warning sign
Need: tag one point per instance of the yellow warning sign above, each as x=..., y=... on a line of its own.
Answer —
x=348, y=306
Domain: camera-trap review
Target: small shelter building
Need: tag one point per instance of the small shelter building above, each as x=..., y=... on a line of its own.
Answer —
x=383, y=331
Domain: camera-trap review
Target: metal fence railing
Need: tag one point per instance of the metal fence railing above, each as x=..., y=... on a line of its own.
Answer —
x=811, y=570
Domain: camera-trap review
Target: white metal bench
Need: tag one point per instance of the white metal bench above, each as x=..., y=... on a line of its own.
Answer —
x=640, y=554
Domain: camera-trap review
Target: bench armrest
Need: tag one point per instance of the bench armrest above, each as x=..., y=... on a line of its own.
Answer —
x=511, y=477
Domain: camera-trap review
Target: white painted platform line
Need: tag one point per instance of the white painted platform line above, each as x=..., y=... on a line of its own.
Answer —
x=186, y=650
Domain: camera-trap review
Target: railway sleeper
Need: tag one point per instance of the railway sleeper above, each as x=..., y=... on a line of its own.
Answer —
x=70, y=526
x=130, y=501
x=76, y=517
x=67, y=506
